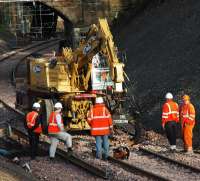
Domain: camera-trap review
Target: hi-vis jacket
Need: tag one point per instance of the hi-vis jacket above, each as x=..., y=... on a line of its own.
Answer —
x=170, y=112
x=99, y=118
x=187, y=113
x=53, y=126
x=31, y=121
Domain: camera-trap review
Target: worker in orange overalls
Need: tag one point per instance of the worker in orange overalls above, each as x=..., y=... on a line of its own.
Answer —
x=99, y=118
x=187, y=112
x=33, y=124
x=170, y=117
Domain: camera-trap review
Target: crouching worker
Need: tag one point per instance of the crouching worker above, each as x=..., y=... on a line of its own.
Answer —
x=99, y=118
x=57, y=132
x=34, y=127
x=187, y=111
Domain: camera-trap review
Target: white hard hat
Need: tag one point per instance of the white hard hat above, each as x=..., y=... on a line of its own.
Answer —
x=58, y=105
x=99, y=100
x=169, y=96
x=36, y=105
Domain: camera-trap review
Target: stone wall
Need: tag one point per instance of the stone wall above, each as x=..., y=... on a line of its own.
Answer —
x=85, y=12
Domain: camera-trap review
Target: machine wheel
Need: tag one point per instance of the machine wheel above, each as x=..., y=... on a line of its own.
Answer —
x=47, y=108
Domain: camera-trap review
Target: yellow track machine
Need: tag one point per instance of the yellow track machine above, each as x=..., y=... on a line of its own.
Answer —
x=75, y=78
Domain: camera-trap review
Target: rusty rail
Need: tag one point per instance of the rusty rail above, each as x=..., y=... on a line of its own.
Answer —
x=135, y=169
x=69, y=157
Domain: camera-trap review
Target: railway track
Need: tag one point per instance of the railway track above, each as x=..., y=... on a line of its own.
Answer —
x=8, y=55
x=14, y=59
x=63, y=154
x=171, y=169
x=170, y=160
x=130, y=167
x=135, y=169
x=157, y=166
x=10, y=63
x=76, y=160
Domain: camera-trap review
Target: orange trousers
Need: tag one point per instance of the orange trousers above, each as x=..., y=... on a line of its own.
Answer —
x=187, y=136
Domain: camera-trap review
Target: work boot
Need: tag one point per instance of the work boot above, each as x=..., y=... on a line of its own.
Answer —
x=189, y=151
x=173, y=148
x=52, y=159
x=69, y=151
x=99, y=156
x=105, y=158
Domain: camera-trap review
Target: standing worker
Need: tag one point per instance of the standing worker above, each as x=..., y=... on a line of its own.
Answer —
x=170, y=117
x=57, y=132
x=99, y=118
x=34, y=127
x=187, y=111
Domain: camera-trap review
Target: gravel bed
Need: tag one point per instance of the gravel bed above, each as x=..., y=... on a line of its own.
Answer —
x=114, y=171
x=193, y=160
x=9, y=171
x=161, y=167
x=58, y=170
x=9, y=116
x=83, y=147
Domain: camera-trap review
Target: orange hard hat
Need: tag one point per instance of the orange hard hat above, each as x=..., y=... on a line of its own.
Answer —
x=186, y=97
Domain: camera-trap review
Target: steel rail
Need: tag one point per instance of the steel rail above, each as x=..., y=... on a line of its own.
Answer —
x=63, y=154
x=13, y=53
x=170, y=160
x=135, y=169
x=72, y=158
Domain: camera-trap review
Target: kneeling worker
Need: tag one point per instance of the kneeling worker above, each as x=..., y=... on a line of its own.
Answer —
x=187, y=111
x=57, y=132
x=170, y=116
x=34, y=127
x=99, y=118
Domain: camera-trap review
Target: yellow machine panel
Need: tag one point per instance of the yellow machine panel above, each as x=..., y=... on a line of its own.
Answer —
x=45, y=77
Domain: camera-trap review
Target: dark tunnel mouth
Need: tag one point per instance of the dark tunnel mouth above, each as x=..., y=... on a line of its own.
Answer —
x=68, y=25
x=35, y=20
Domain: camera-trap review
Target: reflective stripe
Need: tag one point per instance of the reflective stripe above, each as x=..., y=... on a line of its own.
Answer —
x=91, y=113
x=54, y=124
x=31, y=122
x=175, y=112
x=169, y=108
x=100, y=117
x=102, y=128
x=164, y=116
x=190, y=117
x=170, y=111
x=104, y=111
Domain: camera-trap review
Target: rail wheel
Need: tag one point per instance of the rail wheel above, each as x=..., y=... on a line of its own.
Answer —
x=47, y=108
